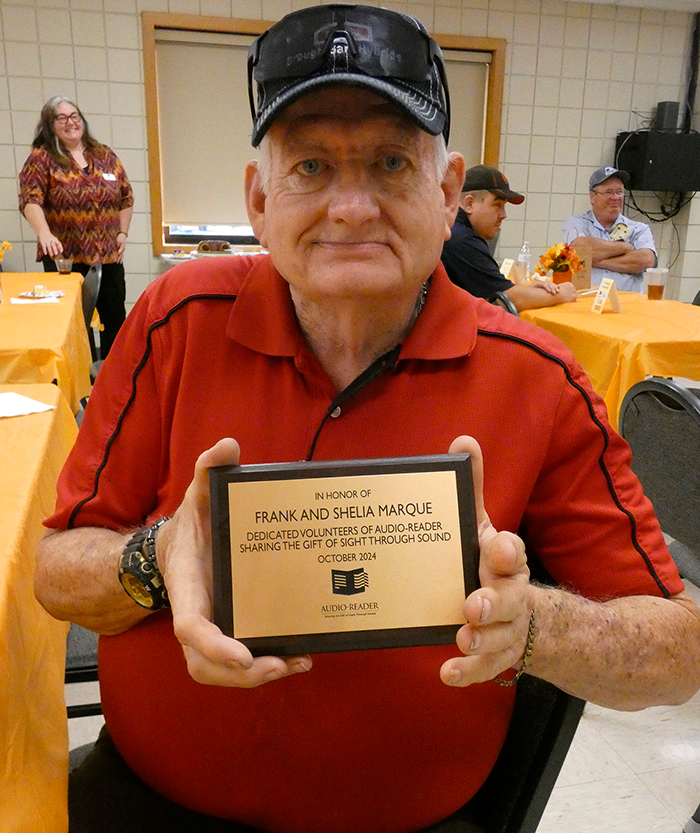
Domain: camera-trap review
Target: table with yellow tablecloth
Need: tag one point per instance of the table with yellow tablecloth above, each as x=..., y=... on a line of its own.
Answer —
x=33, y=724
x=660, y=338
x=45, y=342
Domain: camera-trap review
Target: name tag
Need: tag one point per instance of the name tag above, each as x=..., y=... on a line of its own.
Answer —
x=109, y=177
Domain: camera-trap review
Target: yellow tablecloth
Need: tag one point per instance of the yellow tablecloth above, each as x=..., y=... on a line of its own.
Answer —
x=33, y=725
x=617, y=350
x=45, y=342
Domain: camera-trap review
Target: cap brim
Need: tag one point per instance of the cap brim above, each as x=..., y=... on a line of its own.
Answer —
x=422, y=111
x=510, y=196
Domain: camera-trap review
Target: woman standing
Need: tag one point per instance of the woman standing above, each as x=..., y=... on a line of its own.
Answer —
x=75, y=195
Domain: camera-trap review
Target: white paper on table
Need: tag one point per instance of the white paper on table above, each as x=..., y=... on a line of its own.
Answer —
x=33, y=300
x=14, y=404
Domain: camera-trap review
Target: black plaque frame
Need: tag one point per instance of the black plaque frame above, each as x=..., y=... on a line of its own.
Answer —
x=305, y=643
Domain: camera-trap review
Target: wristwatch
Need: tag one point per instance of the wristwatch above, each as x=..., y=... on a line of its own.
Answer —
x=138, y=569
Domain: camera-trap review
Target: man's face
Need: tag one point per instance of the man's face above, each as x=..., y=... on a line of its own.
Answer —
x=486, y=212
x=607, y=200
x=352, y=205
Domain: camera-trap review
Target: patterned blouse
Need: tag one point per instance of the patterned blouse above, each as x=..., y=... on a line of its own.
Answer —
x=81, y=206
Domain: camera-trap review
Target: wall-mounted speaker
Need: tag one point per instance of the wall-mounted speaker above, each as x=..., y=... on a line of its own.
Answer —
x=666, y=115
x=659, y=161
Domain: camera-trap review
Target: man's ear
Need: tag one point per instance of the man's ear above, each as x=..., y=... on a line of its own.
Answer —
x=255, y=201
x=452, y=189
x=467, y=203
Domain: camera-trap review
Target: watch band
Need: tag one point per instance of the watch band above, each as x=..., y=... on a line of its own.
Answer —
x=138, y=569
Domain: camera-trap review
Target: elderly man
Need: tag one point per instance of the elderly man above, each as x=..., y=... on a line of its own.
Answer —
x=347, y=342
x=466, y=256
x=621, y=248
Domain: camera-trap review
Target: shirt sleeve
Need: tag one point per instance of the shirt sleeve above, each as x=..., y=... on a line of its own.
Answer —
x=586, y=493
x=469, y=265
x=642, y=238
x=127, y=194
x=33, y=180
x=573, y=228
x=102, y=482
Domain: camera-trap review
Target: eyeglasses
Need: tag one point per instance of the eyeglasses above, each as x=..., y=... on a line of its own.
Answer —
x=610, y=194
x=381, y=44
x=63, y=119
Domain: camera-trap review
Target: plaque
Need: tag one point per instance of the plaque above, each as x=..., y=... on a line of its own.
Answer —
x=343, y=555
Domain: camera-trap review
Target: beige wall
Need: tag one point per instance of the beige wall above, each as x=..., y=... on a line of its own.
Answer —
x=576, y=75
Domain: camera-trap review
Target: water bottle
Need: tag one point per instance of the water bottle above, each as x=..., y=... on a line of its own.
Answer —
x=524, y=262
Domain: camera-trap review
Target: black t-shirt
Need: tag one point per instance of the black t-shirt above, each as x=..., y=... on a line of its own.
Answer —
x=469, y=263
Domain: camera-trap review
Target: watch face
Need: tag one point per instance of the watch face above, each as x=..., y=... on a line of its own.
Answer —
x=136, y=590
x=139, y=573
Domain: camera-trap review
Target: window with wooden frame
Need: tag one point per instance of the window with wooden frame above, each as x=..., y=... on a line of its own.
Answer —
x=198, y=120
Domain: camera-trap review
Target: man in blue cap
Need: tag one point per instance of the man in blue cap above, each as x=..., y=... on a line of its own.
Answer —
x=621, y=248
x=346, y=342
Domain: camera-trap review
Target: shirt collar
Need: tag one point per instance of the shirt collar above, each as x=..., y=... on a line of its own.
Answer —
x=596, y=221
x=263, y=318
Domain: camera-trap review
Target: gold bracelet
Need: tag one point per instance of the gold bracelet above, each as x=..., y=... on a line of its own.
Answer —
x=526, y=658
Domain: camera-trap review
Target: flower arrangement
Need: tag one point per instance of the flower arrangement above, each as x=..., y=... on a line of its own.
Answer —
x=559, y=258
x=4, y=247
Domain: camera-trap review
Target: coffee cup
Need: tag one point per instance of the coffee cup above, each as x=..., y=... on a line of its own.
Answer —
x=64, y=265
x=656, y=281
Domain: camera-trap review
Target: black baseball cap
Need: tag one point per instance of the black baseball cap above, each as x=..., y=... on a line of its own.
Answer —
x=483, y=178
x=384, y=51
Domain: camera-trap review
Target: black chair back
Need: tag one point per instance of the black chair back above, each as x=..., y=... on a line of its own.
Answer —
x=500, y=299
x=90, y=291
x=660, y=419
x=81, y=666
x=516, y=792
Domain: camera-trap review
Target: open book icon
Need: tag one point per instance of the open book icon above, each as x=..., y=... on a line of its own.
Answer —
x=349, y=582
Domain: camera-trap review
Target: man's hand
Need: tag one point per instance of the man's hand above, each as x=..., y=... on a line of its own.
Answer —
x=498, y=613
x=567, y=292
x=622, y=654
x=538, y=294
x=545, y=286
x=184, y=557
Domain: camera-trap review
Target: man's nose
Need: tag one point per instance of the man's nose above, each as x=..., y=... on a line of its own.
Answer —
x=353, y=197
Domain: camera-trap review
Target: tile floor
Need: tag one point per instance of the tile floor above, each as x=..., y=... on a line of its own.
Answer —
x=630, y=772
x=626, y=772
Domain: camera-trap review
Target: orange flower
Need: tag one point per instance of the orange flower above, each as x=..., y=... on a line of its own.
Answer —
x=4, y=247
x=559, y=258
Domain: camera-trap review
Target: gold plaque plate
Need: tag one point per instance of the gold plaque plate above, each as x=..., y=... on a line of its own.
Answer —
x=343, y=555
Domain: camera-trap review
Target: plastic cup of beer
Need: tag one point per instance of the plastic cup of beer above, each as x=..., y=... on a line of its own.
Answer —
x=656, y=281
x=64, y=265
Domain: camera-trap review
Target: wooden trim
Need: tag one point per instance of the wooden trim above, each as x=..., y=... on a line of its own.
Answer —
x=202, y=23
x=494, y=105
x=148, y=27
x=150, y=21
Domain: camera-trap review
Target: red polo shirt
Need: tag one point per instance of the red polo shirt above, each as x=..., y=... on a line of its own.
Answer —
x=370, y=740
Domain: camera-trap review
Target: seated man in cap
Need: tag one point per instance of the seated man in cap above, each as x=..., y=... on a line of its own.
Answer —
x=346, y=342
x=621, y=248
x=466, y=256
